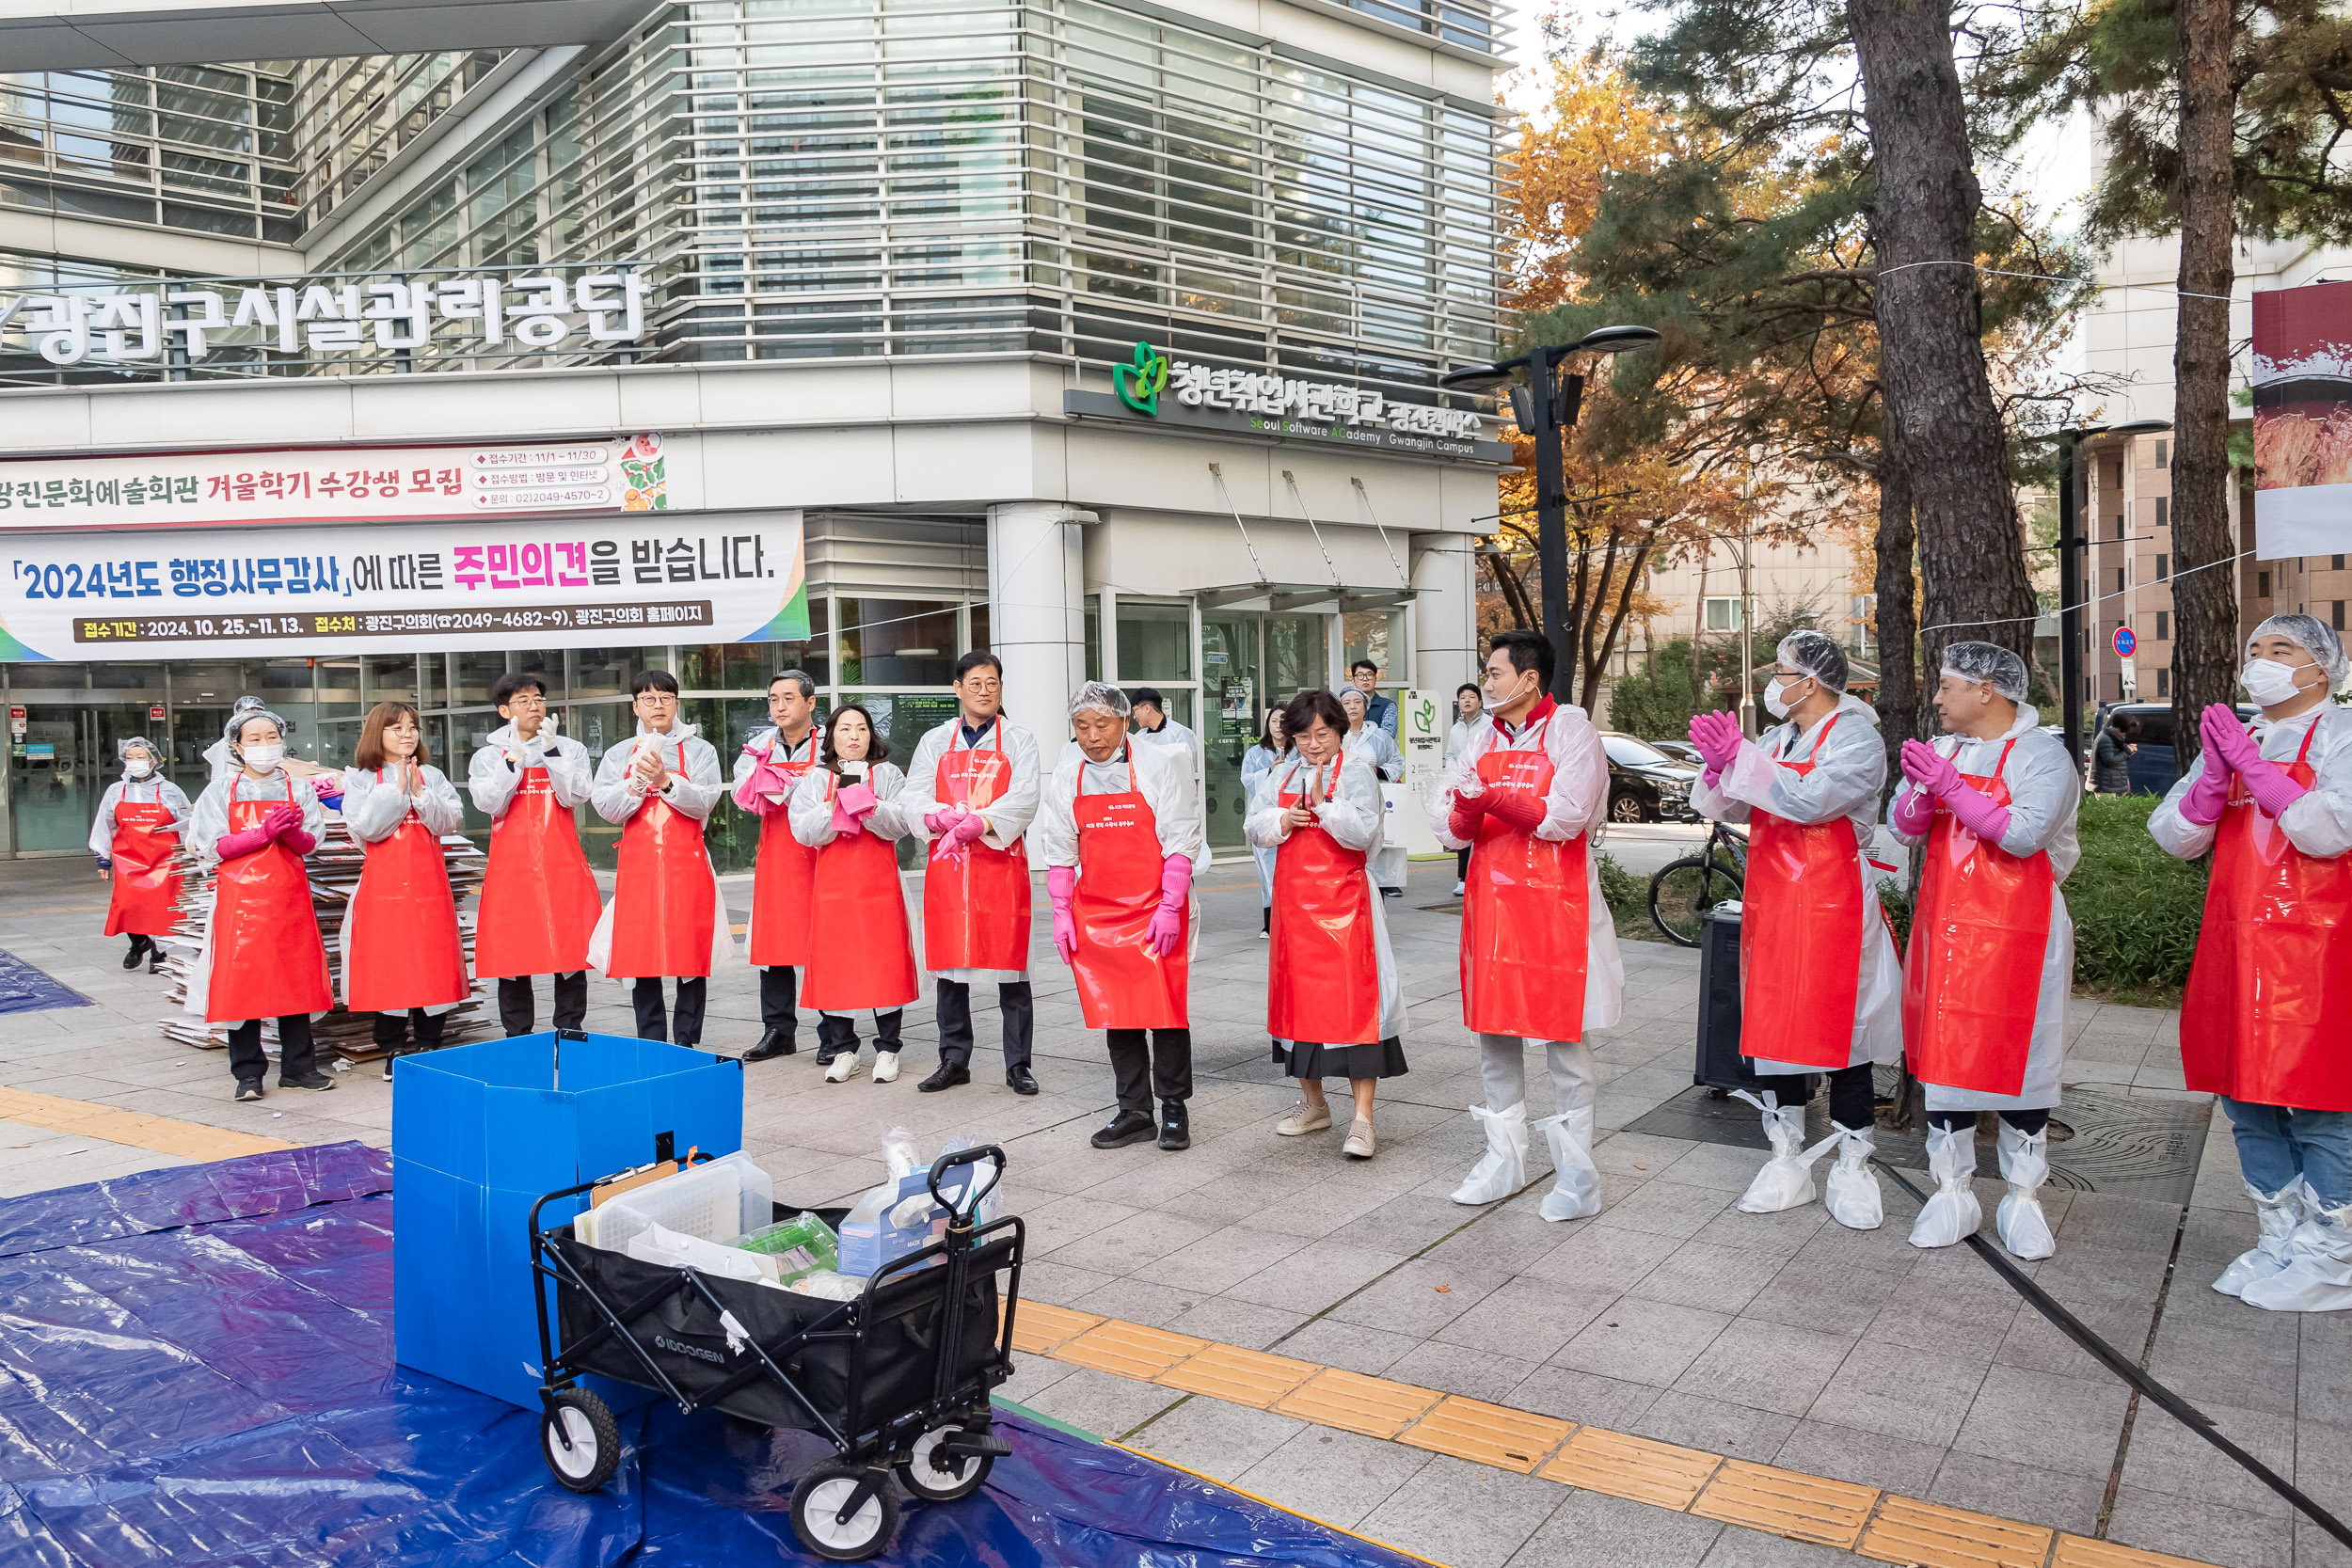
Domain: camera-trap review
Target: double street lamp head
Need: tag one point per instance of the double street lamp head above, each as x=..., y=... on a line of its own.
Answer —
x=1606, y=340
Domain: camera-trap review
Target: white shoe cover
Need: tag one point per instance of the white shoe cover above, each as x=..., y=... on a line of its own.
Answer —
x=1852, y=1193
x=2022, y=1225
x=1787, y=1179
x=2318, y=1273
x=1502, y=1170
x=1951, y=1213
x=885, y=1066
x=2278, y=1213
x=1576, y=1193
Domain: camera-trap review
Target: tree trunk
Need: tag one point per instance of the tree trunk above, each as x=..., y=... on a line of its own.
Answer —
x=1972, y=563
x=2204, y=647
x=1898, y=623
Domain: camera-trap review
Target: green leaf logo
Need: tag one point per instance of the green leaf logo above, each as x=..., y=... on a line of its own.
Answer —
x=1140, y=385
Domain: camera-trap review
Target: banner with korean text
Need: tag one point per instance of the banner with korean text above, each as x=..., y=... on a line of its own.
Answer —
x=480, y=583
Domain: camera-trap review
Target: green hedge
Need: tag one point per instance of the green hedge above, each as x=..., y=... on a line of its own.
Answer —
x=2137, y=910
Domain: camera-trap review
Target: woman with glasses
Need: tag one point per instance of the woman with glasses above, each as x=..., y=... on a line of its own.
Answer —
x=861, y=947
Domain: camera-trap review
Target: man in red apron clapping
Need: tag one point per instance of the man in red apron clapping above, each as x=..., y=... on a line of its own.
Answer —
x=1120, y=832
x=783, y=885
x=540, y=900
x=1539, y=953
x=972, y=789
x=136, y=840
x=666, y=920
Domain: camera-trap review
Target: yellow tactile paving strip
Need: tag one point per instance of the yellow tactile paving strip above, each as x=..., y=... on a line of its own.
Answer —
x=162, y=1134
x=1886, y=1526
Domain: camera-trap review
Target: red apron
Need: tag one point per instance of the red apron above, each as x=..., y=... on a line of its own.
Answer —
x=784, y=881
x=145, y=884
x=976, y=904
x=2271, y=983
x=1525, y=916
x=268, y=960
x=401, y=946
x=540, y=900
x=1122, y=983
x=860, y=949
x=1978, y=938
x=664, y=899
x=1800, y=937
x=1324, y=985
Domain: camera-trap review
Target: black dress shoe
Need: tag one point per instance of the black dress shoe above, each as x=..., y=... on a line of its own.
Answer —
x=1020, y=1079
x=138, y=951
x=1128, y=1127
x=946, y=1076
x=1175, y=1126
x=775, y=1043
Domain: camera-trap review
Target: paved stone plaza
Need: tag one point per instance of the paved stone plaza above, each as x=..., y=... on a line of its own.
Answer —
x=1783, y=1339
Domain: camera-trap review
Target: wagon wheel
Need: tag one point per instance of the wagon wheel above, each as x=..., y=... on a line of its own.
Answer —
x=963, y=1474
x=845, y=1513
x=578, y=1439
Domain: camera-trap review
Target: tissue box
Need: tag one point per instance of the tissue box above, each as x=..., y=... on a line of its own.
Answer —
x=868, y=1244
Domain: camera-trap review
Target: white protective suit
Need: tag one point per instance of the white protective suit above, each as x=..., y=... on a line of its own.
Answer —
x=496, y=769
x=1352, y=816
x=1173, y=735
x=1378, y=749
x=1254, y=764
x=695, y=792
x=1849, y=772
x=1008, y=815
x=208, y=824
x=2044, y=793
x=374, y=810
x=146, y=791
x=1162, y=775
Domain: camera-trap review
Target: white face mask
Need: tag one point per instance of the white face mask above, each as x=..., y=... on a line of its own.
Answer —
x=139, y=768
x=1776, y=696
x=1493, y=704
x=2269, y=682
x=264, y=759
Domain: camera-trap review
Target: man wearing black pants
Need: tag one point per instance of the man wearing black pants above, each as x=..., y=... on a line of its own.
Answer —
x=540, y=900
x=644, y=999
x=519, y=1011
x=768, y=770
x=297, y=1059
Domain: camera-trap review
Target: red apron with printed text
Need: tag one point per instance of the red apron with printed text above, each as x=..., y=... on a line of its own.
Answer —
x=146, y=883
x=860, y=947
x=1978, y=938
x=1801, y=935
x=540, y=900
x=1526, y=915
x=268, y=960
x=664, y=899
x=1122, y=983
x=1323, y=987
x=401, y=946
x=2270, y=988
x=975, y=902
x=784, y=881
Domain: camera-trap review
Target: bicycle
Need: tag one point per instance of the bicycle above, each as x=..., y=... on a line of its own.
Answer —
x=1681, y=892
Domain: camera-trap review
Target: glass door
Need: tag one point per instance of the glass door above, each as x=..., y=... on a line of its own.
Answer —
x=1235, y=704
x=64, y=763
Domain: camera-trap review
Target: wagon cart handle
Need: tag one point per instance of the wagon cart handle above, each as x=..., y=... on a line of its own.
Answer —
x=967, y=1203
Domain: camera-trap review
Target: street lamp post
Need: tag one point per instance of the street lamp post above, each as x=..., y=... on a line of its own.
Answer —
x=2072, y=538
x=1548, y=413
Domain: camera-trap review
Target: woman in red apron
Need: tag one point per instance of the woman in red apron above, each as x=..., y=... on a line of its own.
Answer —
x=861, y=953
x=766, y=775
x=666, y=920
x=404, y=958
x=1121, y=832
x=2261, y=1024
x=136, y=839
x=1822, y=986
x=1334, y=1004
x=1991, y=959
x=1539, y=952
x=540, y=900
x=972, y=789
x=262, y=956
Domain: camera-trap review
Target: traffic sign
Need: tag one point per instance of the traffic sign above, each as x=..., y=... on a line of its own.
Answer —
x=2124, y=643
x=154, y=713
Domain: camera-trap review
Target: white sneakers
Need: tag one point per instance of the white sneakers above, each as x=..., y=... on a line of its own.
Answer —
x=842, y=1068
x=1951, y=1213
x=886, y=1067
x=2022, y=1225
x=1460, y=888
x=2279, y=1214
x=1502, y=1170
x=1576, y=1189
x=1305, y=1119
x=1361, y=1144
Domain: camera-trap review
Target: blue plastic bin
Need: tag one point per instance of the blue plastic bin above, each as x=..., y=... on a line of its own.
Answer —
x=481, y=1133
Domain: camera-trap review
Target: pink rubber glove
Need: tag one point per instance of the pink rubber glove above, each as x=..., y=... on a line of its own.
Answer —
x=938, y=822
x=968, y=827
x=298, y=841
x=2268, y=784
x=765, y=779
x=1978, y=814
x=2222, y=734
x=1717, y=737
x=2210, y=795
x=1915, y=813
x=1167, y=930
x=1933, y=771
x=1060, y=882
x=1521, y=809
x=844, y=821
x=858, y=800
x=280, y=821
x=232, y=847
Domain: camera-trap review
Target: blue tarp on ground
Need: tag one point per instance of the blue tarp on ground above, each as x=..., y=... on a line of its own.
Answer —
x=27, y=989
x=196, y=1367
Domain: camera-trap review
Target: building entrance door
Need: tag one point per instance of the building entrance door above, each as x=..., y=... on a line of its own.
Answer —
x=1251, y=661
x=63, y=764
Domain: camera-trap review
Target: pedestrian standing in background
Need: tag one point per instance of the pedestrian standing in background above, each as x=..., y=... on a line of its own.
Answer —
x=1377, y=748
x=1468, y=710
x=2111, y=756
x=1269, y=749
x=1153, y=727
x=1379, y=711
x=861, y=955
x=1991, y=959
x=135, y=838
x=539, y=902
x=766, y=775
x=403, y=957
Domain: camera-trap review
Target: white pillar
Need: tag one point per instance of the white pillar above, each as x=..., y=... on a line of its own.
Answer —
x=1036, y=612
x=1445, y=612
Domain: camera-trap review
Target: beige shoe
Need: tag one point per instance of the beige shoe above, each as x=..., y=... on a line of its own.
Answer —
x=1305, y=1119
x=886, y=1067
x=1361, y=1144
x=841, y=1068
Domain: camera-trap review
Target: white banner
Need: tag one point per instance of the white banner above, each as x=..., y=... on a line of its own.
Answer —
x=486, y=584
x=1421, y=724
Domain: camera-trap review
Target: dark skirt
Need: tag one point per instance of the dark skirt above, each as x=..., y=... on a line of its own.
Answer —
x=1304, y=1059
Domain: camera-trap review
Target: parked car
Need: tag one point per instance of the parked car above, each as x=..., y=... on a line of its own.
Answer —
x=2153, y=764
x=1644, y=784
x=1681, y=751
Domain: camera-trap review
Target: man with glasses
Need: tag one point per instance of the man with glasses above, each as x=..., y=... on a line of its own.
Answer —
x=540, y=900
x=766, y=775
x=1379, y=712
x=971, y=789
x=666, y=920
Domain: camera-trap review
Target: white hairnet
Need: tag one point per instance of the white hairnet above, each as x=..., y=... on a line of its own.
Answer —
x=1990, y=663
x=2315, y=637
x=245, y=716
x=246, y=704
x=1101, y=697
x=130, y=743
x=1816, y=654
